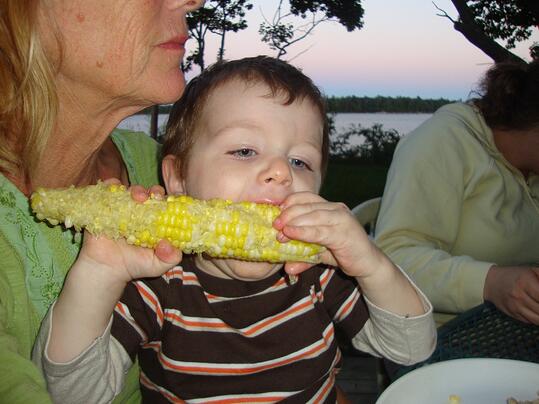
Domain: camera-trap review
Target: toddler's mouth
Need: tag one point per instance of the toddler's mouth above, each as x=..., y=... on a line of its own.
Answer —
x=268, y=201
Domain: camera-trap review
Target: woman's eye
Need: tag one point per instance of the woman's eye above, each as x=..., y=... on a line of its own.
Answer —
x=299, y=163
x=243, y=153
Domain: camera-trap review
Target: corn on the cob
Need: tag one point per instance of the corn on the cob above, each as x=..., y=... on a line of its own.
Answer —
x=219, y=228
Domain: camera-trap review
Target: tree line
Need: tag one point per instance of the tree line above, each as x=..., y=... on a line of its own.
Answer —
x=384, y=104
x=482, y=22
x=367, y=104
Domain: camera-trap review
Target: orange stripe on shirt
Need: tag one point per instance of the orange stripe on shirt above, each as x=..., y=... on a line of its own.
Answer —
x=149, y=297
x=277, y=319
x=347, y=306
x=324, y=391
x=252, y=399
x=217, y=325
x=164, y=392
x=280, y=284
x=123, y=311
x=318, y=348
x=204, y=323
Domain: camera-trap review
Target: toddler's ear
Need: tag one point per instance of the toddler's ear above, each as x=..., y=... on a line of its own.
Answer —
x=170, y=168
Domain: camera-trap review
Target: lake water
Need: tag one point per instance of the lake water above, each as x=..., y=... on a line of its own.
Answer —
x=402, y=123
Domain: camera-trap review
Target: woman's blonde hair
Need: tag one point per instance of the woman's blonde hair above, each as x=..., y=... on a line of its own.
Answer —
x=28, y=101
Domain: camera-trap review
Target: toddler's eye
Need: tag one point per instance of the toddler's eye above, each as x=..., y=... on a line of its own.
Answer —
x=243, y=153
x=299, y=163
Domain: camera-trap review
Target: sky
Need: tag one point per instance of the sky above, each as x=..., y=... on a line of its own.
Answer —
x=403, y=49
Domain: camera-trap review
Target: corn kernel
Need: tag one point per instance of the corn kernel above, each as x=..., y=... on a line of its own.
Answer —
x=218, y=227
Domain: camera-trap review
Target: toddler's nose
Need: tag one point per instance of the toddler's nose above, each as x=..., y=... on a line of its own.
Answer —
x=278, y=172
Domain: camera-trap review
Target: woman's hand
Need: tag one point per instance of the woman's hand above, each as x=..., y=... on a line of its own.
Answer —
x=515, y=291
x=308, y=217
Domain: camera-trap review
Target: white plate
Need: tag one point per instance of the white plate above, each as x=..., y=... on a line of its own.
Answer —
x=475, y=381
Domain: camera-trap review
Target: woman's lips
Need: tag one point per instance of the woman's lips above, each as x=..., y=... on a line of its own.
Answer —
x=176, y=43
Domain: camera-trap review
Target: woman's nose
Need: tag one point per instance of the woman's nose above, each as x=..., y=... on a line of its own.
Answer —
x=189, y=5
x=278, y=172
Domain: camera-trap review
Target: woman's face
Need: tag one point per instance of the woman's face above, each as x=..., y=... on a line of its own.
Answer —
x=124, y=50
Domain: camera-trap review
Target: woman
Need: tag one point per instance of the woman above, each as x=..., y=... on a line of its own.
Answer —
x=69, y=73
x=460, y=211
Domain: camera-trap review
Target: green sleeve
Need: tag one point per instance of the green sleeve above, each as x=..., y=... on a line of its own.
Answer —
x=141, y=155
x=420, y=214
x=20, y=380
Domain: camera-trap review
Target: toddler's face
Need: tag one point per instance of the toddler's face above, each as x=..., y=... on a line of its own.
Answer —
x=251, y=147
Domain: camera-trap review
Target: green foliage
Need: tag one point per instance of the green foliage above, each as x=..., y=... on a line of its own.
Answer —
x=230, y=15
x=217, y=17
x=534, y=50
x=508, y=20
x=352, y=182
x=483, y=22
x=349, y=13
x=376, y=145
x=384, y=104
x=284, y=30
x=277, y=35
x=231, y=18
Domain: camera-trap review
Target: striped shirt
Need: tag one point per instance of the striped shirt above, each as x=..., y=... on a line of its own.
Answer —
x=202, y=339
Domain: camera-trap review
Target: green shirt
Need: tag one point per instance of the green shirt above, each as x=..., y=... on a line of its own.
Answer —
x=35, y=259
x=453, y=206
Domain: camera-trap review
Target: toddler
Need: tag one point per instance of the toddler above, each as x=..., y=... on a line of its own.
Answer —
x=224, y=330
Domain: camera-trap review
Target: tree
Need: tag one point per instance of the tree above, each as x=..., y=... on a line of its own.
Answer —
x=217, y=17
x=229, y=17
x=373, y=145
x=483, y=22
x=349, y=13
x=282, y=32
x=199, y=24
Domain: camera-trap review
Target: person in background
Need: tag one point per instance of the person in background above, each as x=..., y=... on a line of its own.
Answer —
x=252, y=130
x=460, y=209
x=69, y=73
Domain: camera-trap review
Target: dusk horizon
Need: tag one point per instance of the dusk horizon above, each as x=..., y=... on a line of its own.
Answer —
x=404, y=49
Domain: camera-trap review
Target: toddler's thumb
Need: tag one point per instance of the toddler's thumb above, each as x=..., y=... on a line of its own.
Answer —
x=167, y=254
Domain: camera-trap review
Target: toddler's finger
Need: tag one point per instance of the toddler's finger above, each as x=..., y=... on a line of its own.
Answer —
x=167, y=253
x=158, y=191
x=111, y=181
x=281, y=238
x=311, y=212
x=139, y=193
x=299, y=198
x=295, y=268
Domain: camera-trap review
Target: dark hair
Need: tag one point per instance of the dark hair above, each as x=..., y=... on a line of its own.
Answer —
x=510, y=96
x=281, y=78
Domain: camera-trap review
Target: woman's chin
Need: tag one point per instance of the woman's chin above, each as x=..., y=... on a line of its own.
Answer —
x=169, y=89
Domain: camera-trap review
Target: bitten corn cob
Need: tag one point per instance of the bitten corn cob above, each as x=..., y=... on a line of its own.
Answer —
x=217, y=227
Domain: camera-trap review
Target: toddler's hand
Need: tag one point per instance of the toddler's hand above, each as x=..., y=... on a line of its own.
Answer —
x=308, y=217
x=123, y=262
